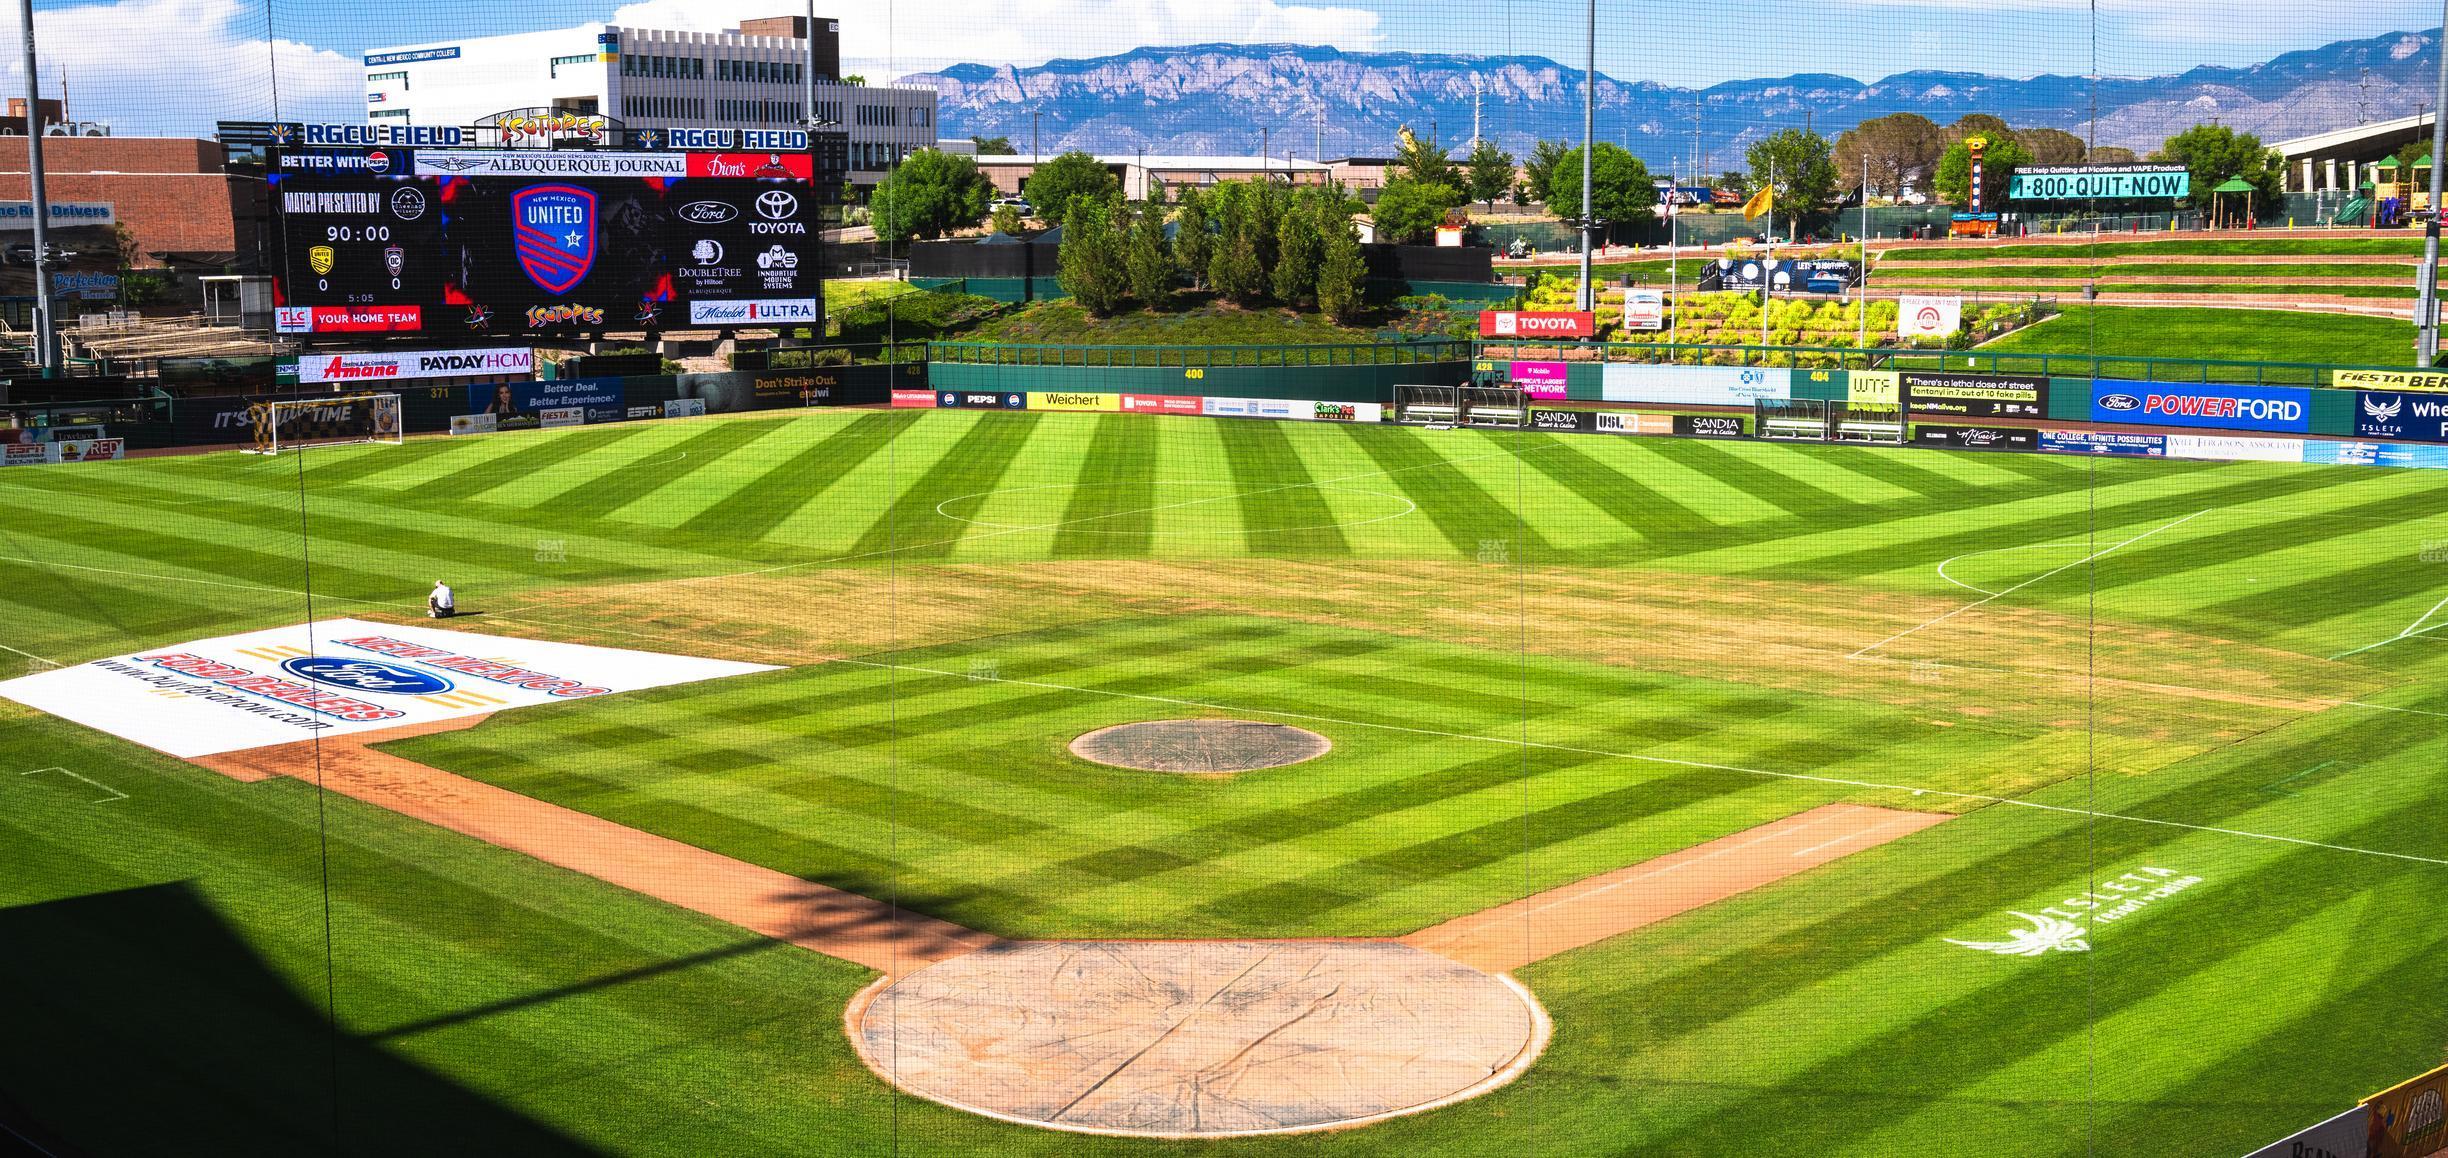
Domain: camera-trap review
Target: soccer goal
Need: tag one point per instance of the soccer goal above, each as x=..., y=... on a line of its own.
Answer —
x=297, y=423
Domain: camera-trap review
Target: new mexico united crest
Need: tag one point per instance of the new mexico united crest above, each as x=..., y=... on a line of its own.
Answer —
x=555, y=230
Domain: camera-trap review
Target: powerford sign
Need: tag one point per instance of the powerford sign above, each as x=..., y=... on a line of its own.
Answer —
x=2412, y=417
x=2211, y=405
x=1537, y=324
x=375, y=369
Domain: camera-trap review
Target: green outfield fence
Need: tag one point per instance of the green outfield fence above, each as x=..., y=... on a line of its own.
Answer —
x=1350, y=372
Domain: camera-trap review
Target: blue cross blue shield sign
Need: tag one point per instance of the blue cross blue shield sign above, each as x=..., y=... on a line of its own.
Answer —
x=555, y=231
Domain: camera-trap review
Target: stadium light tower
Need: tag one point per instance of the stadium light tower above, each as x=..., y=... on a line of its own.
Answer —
x=46, y=353
x=2428, y=353
x=1589, y=142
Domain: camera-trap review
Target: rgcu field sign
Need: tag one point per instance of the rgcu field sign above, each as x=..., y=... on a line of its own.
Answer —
x=1537, y=324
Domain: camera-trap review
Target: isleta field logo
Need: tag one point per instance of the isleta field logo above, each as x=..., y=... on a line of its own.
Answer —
x=2055, y=928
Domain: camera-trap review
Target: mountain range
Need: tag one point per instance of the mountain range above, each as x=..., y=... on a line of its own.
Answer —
x=1314, y=100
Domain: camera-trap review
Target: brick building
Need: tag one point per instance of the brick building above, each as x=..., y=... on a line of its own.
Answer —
x=172, y=192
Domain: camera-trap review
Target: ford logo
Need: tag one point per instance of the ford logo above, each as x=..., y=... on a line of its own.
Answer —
x=708, y=212
x=366, y=675
x=2119, y=402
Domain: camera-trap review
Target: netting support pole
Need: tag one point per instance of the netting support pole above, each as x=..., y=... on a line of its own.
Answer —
x=2429, y=321
x=46, y=346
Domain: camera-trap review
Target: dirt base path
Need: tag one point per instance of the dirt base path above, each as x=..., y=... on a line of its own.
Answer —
x=778, y=905
x=1593, y=909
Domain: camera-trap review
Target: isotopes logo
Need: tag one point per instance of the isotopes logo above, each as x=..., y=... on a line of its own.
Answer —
x=360, y=675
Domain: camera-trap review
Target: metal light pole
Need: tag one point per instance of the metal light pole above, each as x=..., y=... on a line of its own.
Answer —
x=1589, y=144
x=2428, y=352
x=810, y=66
x=1862, y=342
x=1674, y=258
x=46, y=353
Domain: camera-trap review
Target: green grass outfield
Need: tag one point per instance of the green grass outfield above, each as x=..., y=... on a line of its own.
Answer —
x=2218, y=333
x=1539, y=657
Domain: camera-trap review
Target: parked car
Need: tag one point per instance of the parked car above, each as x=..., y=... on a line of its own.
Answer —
x=1018, y=205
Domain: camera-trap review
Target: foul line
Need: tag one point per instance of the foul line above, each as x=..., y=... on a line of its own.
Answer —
x=2028, y=582
x=1803, y=777
x=115, y=794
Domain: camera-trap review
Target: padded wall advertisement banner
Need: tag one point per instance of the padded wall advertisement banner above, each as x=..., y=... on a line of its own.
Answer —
x=2216, y=405
x=2414, y=417
x=1976, y=395
x=1695, y=385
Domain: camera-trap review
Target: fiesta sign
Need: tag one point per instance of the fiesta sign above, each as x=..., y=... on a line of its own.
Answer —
x=1537, y=324
x=2211, y=404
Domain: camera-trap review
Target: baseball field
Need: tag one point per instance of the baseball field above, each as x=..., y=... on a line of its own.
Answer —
x=1792, y=799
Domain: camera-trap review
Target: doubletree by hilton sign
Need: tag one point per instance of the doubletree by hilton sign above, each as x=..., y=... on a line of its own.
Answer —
x=2104, y=182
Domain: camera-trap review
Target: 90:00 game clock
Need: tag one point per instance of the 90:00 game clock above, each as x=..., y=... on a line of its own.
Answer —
x=532, y=241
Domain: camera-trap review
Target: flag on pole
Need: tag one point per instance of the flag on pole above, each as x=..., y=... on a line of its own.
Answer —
x=1763, y=201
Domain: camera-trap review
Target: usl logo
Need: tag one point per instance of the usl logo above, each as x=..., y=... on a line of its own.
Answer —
x=554, y=227
x=363, y=675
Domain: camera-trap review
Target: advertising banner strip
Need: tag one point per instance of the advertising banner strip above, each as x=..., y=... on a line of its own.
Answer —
x=1065, y=401
x=2415, y=417
x=1572, y=421
x=1163, y=404
x=2229, y=448
x=981, y=400
x=2103, y=442
x=2214, y=405
x=1694, y=385
x=914, y=399
x=2376, y=454
x=335, y=677
x=1874, y=387
x=375, y=369
x=1977, y=437
x=2436, y=380
x=547, y=163
x=1975, y=395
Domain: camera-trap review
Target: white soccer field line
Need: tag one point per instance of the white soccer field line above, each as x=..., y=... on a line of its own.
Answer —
x=2028, y=582
x=2410, y=631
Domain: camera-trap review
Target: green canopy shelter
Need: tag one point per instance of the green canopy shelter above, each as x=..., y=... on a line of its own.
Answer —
x=2218, y=198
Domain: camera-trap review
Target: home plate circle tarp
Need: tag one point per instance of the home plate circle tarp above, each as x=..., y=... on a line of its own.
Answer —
x=333, y=678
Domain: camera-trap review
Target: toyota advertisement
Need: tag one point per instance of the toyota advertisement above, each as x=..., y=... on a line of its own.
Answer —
x=2214, y=405
x=1537, y=324
x=471, y=243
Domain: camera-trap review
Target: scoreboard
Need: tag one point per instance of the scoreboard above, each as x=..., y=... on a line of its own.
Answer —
x=474, y=242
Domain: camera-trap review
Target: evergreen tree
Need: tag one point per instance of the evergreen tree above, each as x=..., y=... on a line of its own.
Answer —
x=1298, y=250
x=1091, y=264
x=1193, y=245
x=1150, y=268
x=1342, y=273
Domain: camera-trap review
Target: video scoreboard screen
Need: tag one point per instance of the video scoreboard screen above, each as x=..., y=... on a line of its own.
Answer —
x=509, y=241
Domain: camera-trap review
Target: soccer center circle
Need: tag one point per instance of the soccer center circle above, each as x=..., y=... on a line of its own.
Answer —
x=1200, y=747
x=1196, y=494
x=1197, y=1039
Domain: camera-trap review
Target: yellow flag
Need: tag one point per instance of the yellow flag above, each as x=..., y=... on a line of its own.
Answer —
x=1760, y=202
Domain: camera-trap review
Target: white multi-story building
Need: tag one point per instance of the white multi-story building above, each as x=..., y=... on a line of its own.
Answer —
x=751, y=77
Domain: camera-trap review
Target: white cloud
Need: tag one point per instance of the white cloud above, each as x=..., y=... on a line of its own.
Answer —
x=914, y=35
x=176, y=66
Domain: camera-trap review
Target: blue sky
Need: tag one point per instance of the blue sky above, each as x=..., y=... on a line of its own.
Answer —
x=182, y=63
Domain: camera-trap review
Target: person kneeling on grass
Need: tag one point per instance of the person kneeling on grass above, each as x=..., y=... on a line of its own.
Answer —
x=439, y=604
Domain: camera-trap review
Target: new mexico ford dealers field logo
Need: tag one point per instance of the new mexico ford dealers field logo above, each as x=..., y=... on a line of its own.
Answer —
x=2056, y=928
x=361, y=675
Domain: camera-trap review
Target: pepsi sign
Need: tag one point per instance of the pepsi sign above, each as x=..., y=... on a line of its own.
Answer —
x=366, y=675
